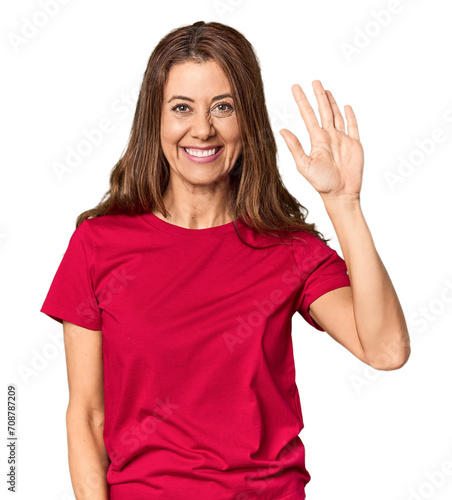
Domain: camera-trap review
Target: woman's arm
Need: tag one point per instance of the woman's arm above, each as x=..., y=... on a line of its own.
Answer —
x=379, y=329
x=369, y=320
x=88, y=459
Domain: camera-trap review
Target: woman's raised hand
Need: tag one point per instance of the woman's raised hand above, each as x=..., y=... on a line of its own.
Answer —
x=335, y=164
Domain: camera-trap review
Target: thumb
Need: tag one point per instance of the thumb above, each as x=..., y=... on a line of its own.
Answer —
x=294, y=145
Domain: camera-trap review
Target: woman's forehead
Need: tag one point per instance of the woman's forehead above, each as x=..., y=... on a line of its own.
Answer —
x=193, y=79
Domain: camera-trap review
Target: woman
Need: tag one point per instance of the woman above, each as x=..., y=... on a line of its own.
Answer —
x=176, y=292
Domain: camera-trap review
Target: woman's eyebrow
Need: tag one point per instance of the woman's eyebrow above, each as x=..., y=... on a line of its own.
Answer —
x=221, y=96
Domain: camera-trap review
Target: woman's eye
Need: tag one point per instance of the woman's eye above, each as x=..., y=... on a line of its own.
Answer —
x=175, y=108
x=226, y=107
x=222, y=107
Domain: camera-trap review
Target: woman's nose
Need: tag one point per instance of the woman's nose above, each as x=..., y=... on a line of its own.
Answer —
x=202, y=126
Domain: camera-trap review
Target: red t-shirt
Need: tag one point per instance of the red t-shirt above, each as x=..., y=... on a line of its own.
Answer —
x=199, y=377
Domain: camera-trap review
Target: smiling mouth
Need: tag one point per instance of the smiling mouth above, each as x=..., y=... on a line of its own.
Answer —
x=202, y=153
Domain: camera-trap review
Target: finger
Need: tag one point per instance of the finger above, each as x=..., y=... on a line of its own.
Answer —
x=338, y=120
x=293, y=144
x=352, y=125
x=326, y=113
x=307, y=113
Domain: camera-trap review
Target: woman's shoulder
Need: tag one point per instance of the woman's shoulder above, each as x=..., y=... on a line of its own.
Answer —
x=304, y=239
x=112, y=230
x=111, y=222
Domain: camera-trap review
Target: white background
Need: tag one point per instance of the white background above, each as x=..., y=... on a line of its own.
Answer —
x=368, y=434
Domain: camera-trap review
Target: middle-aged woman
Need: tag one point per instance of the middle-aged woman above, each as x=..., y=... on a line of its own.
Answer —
x=177, y=291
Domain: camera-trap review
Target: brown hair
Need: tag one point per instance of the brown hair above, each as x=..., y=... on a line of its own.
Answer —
x=257, y=194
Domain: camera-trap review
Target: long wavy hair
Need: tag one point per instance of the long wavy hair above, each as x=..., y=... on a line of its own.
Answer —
x=257, y=194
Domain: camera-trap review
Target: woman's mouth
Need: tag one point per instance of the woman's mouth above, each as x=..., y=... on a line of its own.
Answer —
x=203, y=155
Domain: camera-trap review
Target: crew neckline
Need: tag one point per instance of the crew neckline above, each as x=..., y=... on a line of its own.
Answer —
x=184, y=231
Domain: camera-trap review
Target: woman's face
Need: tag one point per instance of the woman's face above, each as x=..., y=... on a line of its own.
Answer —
x=198, y=112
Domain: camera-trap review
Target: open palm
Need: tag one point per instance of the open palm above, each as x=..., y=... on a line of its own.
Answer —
x=335, y=164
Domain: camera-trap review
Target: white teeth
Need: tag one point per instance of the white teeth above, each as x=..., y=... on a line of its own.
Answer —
x=200, y=153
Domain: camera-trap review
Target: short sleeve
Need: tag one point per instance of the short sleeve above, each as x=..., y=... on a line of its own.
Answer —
x=71, y=296
x=322, y=269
